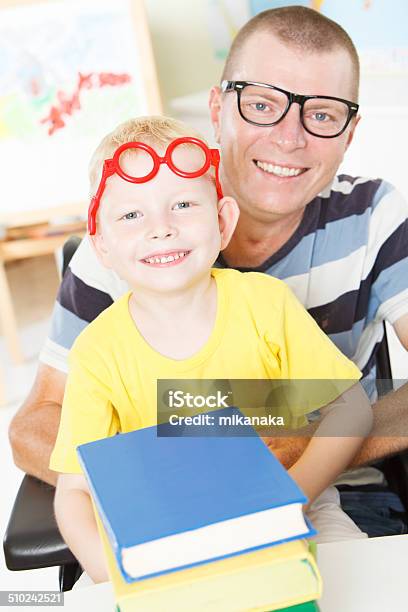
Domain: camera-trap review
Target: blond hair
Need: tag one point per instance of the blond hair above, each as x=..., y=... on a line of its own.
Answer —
x=152, y=130
x=301, y=28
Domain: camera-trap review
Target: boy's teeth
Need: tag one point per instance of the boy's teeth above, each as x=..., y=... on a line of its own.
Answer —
x=165, y=259
x=278, y=170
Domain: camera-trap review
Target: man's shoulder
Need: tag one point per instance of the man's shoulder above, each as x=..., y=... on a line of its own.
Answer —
x=87, y=289
x=354, y=195
x=89, y=272
x=104, y=330
x=378, y=200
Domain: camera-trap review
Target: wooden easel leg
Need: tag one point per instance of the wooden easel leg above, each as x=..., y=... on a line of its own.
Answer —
x=8, y=321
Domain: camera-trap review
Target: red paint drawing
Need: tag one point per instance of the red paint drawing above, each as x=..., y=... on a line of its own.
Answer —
x=67, y=105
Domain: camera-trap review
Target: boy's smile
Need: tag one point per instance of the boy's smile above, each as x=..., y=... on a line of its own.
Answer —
x=165, y=259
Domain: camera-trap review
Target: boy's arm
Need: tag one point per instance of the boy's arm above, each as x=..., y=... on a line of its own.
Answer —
x=389, y=435
x=76, y=521
x=33, y=429
x=345, y=423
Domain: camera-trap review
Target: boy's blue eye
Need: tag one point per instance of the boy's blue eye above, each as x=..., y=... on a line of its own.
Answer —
x=135, y=214
x=181, y=205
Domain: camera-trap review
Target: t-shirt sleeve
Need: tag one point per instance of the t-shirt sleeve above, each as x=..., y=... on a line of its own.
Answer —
x=313, y=371
x=387, y=256
x=85, y=291
x=87, y=410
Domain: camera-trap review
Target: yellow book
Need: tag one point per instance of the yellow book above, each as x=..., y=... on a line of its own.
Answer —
x=263, y=580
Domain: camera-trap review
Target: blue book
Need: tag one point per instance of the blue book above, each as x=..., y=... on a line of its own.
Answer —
x=169, y=503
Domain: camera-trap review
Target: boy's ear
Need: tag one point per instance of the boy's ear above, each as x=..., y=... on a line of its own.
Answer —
x=228, y=214
x=100, y=249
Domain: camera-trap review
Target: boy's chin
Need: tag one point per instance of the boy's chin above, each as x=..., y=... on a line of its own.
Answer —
x=163, y=283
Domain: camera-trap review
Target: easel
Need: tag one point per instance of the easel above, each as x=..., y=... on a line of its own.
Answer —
x=23, y=247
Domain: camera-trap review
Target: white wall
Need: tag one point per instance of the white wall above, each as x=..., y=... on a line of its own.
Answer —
x=380, y=149
x=182, y=46
x=380, y=146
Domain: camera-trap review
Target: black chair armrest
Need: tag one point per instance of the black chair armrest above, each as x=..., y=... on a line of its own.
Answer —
x=396, y=472
x=32, y=538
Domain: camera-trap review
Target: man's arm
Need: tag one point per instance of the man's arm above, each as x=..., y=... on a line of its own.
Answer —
x=34, y=428
x=390, y=416
x=86, y=290
x=390, y=429
x=388, y=436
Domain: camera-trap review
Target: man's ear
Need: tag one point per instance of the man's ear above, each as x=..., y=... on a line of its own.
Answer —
x=99, y=247
x=215, y=110
x=228, y=214
x=351, y=133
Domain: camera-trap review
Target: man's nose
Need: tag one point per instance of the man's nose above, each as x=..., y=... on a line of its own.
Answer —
x=289, y=134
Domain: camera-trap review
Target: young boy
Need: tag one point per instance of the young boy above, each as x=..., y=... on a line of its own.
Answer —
x=159, y=220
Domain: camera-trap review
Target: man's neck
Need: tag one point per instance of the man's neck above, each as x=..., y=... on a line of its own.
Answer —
x=253, y=241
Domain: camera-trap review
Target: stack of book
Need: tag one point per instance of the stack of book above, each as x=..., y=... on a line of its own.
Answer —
x=210, y=523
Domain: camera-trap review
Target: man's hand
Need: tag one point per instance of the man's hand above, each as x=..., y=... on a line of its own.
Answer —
x=34, y=428
x=290, y=444
x=287, y=449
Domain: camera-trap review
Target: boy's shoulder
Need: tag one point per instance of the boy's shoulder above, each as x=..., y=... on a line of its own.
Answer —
x=255, y=284
x=260, y=295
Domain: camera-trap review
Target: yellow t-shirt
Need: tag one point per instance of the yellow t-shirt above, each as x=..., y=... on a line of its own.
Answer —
x=261, y=332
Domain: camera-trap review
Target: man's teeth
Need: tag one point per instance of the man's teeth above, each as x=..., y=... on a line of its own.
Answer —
x=278, y=170
x=157, y=260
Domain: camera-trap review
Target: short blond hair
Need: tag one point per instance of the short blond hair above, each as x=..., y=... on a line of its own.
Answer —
x=152, y=130
x=298, y=27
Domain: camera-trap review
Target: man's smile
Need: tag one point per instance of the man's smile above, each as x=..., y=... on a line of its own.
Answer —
x=279, y=170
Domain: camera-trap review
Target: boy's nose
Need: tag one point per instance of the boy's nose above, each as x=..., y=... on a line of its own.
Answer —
x=162, y=231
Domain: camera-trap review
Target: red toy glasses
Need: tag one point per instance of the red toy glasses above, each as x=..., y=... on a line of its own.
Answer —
x=171, y=158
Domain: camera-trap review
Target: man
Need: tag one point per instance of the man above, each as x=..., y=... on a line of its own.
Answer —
x=340, y=243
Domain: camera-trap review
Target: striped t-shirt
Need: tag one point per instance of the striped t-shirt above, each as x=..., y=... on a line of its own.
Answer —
x=347, y=262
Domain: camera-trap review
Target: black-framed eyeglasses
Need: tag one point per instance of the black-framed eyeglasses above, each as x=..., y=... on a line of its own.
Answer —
x=266, y=105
